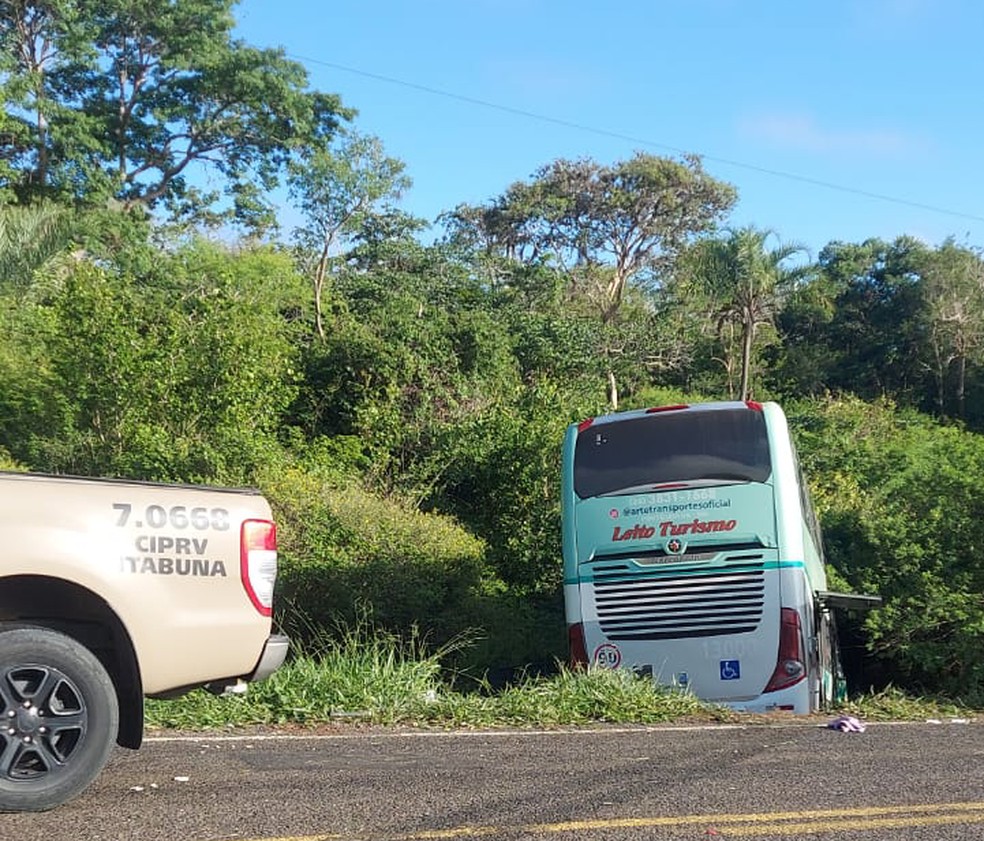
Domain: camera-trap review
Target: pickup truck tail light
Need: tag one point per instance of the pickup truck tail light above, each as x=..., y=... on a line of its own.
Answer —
x=258, y=562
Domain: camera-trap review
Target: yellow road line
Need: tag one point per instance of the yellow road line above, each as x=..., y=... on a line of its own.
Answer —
x=725, y=825
x=814, y=827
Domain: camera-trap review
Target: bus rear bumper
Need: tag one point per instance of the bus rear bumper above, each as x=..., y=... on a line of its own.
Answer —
x=795, y=700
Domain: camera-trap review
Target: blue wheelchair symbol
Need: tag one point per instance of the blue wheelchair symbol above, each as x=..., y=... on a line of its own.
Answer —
x=730, y=669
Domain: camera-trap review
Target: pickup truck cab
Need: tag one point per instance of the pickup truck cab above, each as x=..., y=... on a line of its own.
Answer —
x=112, y=591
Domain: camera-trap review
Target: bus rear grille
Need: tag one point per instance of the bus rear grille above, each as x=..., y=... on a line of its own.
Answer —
x=700, y=604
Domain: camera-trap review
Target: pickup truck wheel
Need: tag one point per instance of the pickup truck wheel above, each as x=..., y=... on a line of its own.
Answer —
x=58, y=718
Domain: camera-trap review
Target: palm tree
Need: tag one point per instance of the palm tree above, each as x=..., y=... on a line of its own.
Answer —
x=30, y=236
x=748, y=283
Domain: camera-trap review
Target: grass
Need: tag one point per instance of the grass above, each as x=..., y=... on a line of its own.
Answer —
x=571, y=698
x=313, y=691
x=893, y=704
x=369, y=676
x=363, y=673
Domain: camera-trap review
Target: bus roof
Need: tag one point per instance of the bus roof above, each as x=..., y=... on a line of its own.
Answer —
x=709, y=406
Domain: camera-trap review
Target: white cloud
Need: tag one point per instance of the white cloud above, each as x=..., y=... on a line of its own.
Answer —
x=802, y=133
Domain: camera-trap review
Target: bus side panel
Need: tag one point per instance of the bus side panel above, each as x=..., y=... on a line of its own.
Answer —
x=568, y=505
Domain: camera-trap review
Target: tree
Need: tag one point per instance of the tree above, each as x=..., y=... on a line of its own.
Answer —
x=606, y=227
x=33, y=44
x=875, y=334
x=339, y=190
x=747, y=283
x=29, y=238
x=130, y=100
x=632, y=218
x=802, y=362
x=40, y=242
x=183, y=374
x=952, y=286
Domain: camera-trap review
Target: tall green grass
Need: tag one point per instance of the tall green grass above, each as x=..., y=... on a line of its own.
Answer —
x=570, y=698
x=365, y=674
x=892, y=704
x=360, y=672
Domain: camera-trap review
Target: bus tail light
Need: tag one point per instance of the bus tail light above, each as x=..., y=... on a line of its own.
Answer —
x=791, y=666
x=576, y=646
x=258, y=562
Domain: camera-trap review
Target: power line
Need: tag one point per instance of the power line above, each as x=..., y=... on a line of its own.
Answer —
x=803, y=179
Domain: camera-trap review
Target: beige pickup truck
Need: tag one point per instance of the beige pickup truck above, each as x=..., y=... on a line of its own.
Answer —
x=112, y=591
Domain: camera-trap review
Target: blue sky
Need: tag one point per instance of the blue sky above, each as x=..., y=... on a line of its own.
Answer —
x=839, y=120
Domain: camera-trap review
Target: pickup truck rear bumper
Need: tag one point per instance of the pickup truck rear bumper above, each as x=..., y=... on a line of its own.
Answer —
x=272, y=658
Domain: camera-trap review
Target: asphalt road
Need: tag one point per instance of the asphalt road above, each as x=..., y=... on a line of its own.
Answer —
x=894, y=781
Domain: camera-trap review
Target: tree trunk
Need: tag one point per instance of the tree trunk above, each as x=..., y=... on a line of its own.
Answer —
x=747, y=338
x=612, y=391
x=961, y=386
x=319, y=283
x=940, y=386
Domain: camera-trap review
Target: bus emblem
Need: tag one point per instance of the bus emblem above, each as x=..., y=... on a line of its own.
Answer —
x=674, y=546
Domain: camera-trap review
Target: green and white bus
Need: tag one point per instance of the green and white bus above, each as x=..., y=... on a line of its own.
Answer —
x=692, y=553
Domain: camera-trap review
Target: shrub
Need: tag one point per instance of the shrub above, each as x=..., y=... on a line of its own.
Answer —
x=345, y=551
x=900, y=503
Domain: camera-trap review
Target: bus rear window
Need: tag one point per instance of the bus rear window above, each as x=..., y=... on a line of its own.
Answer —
x=686, y=446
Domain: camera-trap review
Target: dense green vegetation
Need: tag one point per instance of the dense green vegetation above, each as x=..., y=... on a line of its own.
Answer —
x=402, y=404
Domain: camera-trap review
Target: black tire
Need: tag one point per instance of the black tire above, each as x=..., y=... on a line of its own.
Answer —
x=59, y=717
